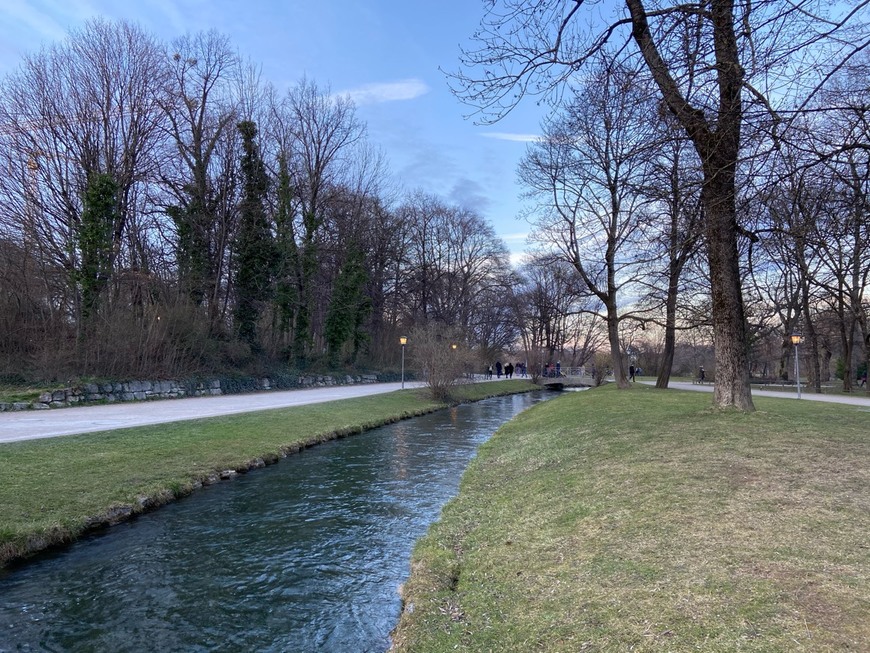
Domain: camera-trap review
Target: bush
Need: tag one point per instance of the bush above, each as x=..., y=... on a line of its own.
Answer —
x=441, y=358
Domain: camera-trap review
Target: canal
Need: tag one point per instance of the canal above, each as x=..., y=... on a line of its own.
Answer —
x=305, y=555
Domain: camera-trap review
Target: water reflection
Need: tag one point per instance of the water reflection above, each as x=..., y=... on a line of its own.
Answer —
x=305, y=555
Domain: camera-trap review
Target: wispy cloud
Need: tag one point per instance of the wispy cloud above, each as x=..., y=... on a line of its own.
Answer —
x=469, y=194
x=20, y=15
x=515, y=237
x=506, y=136
x=403, y=89
x=170, y=12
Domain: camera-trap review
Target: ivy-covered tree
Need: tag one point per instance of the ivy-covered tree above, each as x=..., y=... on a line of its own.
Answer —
x=192, y=248
x=286, y=300
x=255, y=245
x=94, y=239
x=348, y=309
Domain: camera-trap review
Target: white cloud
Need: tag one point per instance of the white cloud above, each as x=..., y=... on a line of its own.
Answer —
x=517, y=138
x=514, y=238
x=519, y=258
x=404, y=89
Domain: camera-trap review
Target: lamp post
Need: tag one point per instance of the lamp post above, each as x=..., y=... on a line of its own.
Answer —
x=403, y=340
x=796, y=340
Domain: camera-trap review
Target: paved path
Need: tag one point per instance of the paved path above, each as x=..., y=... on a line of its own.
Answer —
x=33, y=424
x=857, y=400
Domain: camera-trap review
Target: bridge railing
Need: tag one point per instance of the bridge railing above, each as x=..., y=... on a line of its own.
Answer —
x=571, y=372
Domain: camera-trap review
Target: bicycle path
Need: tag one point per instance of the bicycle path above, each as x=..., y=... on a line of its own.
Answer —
x=35, y=424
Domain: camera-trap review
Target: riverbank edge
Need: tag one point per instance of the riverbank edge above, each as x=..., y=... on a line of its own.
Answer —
x=512, y=577
x=16, y=552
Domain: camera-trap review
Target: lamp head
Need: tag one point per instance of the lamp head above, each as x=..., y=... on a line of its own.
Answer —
x=796, y=338
x=403, y=340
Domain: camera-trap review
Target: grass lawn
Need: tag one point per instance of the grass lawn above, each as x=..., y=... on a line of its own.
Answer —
x=55, y=489
x=642, y=520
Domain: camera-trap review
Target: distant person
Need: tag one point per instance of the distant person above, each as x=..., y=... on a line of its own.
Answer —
x=863, y=379
x=489, y=372
x=631, y=371
x=558, y=368
x=498, y=369
x=508, y=370
x=702, y=375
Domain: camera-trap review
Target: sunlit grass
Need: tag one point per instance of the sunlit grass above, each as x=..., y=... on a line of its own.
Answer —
x=54, y=489
x=642, y=520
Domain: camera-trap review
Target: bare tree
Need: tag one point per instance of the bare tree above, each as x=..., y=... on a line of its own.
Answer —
x=555, y=314
x=844, y=245
x=84, y=109
x=673, y=191
x=201, y=174
x=453, y=259
x=703, y=58
x=585, y=173
x=844, y=237
x=795, y=204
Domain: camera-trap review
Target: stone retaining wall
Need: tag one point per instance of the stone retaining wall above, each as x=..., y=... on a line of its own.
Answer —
x=144, y=390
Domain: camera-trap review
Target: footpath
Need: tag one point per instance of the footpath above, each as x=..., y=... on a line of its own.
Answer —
x=856, y=400
x=31, y=425
x=34, y=424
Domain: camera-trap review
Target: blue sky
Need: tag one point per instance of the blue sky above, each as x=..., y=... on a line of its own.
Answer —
x=386, y=53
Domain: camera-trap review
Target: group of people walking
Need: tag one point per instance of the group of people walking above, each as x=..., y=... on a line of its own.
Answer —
x=508, y=370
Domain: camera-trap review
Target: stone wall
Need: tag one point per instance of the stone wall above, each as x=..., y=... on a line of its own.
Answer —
x=144, y=390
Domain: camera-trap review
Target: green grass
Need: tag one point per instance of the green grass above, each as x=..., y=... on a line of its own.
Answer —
x=10, y=393
x=642, y=520
x=55, y=489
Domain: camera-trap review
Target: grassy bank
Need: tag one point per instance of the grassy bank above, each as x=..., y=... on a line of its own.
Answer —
x=55, y=489
x=643, y=521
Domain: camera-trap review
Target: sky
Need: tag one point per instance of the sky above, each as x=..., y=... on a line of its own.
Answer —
x=385, y=53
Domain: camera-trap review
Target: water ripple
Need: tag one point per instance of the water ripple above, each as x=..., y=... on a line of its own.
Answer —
x=305, y=555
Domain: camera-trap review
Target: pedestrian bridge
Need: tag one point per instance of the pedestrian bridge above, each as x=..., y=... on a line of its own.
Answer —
x=566, y=376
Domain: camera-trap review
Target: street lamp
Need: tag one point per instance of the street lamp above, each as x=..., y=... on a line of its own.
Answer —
x=403, y=340
x=796, y=340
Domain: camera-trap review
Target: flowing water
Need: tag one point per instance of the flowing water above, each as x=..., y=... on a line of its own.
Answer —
x=304, y=555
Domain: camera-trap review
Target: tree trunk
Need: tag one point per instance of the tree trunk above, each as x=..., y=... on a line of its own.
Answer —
x=814, y=371
x=718, y=145
x=615, y=349
x=729, y=324
x=847, y=344
x=667, y=362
